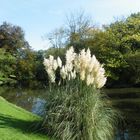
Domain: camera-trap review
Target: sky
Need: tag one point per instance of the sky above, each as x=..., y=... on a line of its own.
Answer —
x=39, y=17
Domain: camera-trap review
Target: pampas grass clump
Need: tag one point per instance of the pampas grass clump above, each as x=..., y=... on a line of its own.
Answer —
x=75, y=109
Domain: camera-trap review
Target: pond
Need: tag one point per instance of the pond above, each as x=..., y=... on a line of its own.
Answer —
x=127, y=100
x=29, y=99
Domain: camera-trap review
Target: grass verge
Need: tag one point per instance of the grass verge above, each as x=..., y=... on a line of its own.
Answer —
x=18, y=124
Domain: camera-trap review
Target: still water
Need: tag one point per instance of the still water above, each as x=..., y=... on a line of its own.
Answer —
x=29, y=99
x=127, y=100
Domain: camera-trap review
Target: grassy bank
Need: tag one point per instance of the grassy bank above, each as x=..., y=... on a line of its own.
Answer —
x=18, y=124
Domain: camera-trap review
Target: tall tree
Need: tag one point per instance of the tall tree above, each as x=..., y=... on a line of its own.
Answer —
x=12, y=38
x=57, y=38
x=77, y=26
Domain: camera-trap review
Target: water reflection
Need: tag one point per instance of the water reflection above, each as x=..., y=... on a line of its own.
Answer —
x=126, y=100
x=31, y=100
x=38, y=106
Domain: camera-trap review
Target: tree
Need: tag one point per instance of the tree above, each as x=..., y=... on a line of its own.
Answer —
x=77, y=26
x=12, y=38
x=57, y=38
x=75, y=30
x=16, y=56
x=127, y=33
x=40, y=73
x=133, y=61
x=7, y=67
x=114, y=45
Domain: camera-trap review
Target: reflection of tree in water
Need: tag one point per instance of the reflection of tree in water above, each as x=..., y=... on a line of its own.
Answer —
x=122, y=133
x=127, y=100
x=38, y=106
x=31, y=100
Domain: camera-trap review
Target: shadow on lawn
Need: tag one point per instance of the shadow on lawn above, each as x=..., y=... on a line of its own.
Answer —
x=22, y=125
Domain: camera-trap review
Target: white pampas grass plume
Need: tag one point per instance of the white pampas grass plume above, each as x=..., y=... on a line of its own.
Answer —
x=59, y=62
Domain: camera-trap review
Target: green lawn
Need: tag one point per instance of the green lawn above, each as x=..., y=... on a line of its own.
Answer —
x=18, y=124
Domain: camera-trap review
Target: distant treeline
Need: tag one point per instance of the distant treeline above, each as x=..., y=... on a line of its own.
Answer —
x=117, y=46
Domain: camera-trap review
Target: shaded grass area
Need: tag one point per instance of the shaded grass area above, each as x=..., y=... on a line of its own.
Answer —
x=18, y=124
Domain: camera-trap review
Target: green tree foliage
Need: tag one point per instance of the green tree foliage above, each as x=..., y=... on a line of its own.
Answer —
x=7, y=67
x=126, y=37
x=16, y=57
x=127, y=33
x=40, y=73
x=104, y=45
x=115, y=45
x=133, y=61
x=12, y=38
x=25, y=65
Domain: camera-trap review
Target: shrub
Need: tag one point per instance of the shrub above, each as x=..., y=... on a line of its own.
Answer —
x=75, y=109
